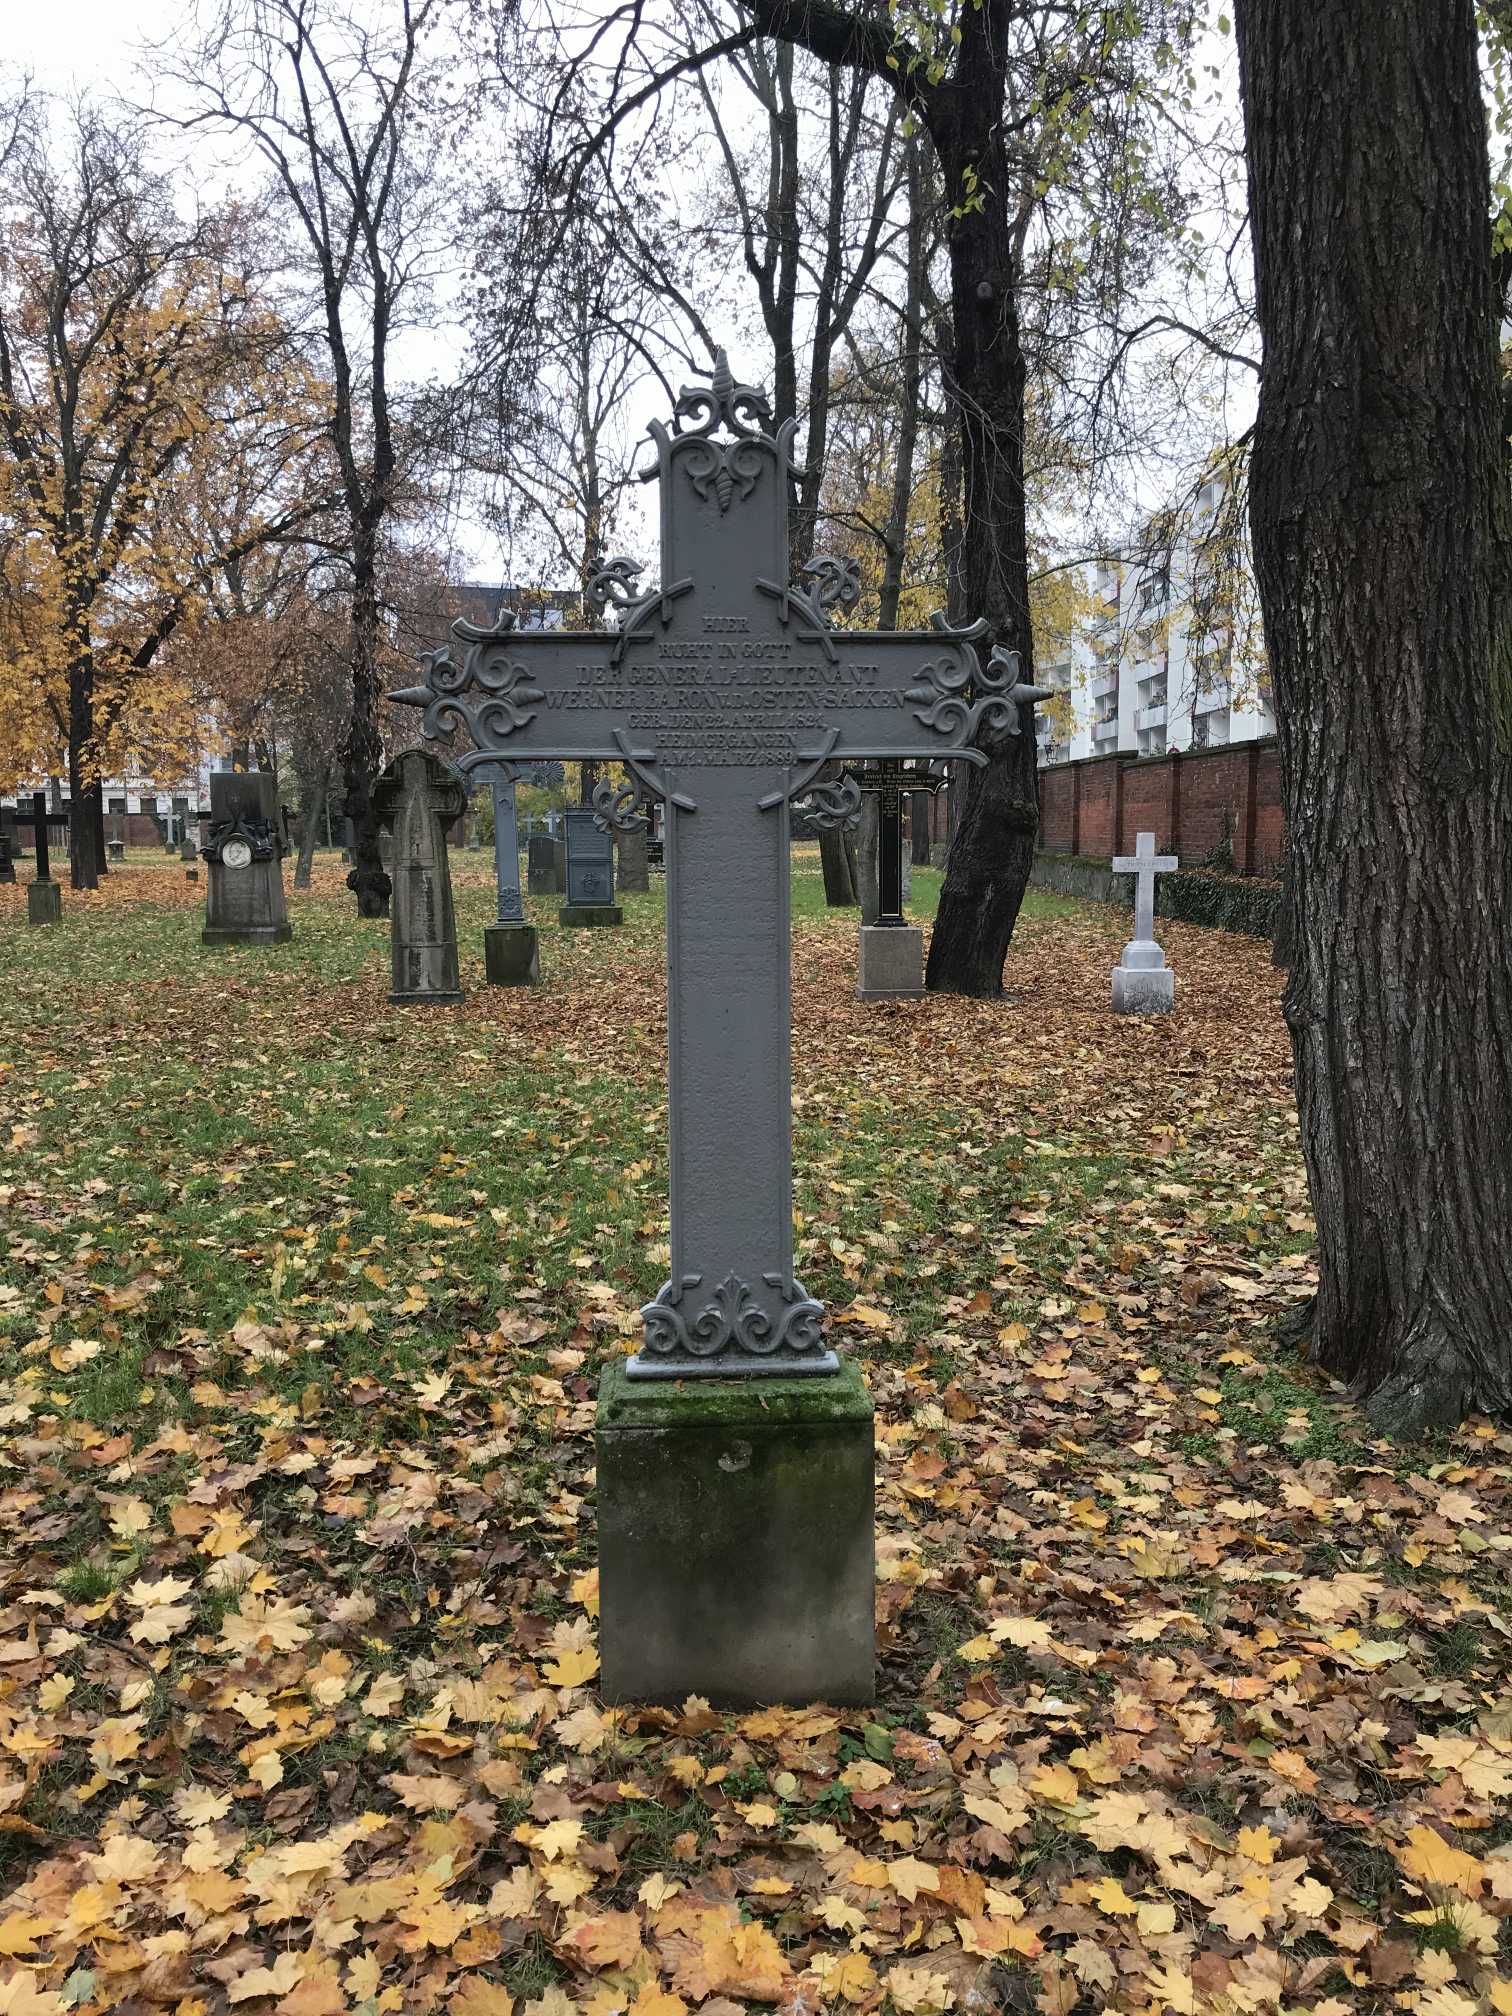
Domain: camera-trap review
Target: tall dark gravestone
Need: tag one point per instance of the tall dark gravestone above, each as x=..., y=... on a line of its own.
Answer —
x=891, y=963
x=541, y=866
x=44, y=897
x=590, y=871
x=734, y=1451
x=416, y=798
x=244, y=855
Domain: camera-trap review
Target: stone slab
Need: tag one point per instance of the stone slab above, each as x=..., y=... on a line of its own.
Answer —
x=44, y=902
x=511, y=955
x=251, y=934
x=1143, y=990
x=736, y=1552
x=541, y=866
x=891, y=964
x=590, y=914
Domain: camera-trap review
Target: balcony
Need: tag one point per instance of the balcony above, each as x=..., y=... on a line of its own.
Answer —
x=1105, y=730
x=1151, y=717
x=1103, y=682
x=1214, y=700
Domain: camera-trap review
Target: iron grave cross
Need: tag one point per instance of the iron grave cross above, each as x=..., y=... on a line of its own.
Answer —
x=724, y=691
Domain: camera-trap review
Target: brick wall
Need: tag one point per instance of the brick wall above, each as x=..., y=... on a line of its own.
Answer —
x=1187, y=801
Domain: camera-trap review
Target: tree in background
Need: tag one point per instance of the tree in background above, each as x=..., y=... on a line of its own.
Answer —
x=1380, y=506
x=129, y=337
x=334, y=105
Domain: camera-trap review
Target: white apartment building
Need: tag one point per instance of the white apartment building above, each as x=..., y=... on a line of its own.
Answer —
x=1143, y=675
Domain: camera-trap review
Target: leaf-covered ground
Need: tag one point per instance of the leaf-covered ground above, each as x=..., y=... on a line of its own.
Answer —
x=1192, y=1697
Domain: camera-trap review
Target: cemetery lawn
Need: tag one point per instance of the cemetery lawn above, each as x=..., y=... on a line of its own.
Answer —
x=1192, y=1696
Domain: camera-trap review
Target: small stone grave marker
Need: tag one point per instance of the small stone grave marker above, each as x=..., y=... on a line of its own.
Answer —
x=416, y=798
x=590, y=871
x=1142, y=982
x=243, y=851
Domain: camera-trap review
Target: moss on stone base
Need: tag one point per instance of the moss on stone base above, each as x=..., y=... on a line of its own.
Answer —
x=769, y=1402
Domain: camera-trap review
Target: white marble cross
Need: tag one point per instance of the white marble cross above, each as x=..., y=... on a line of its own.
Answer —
x=1145, y=864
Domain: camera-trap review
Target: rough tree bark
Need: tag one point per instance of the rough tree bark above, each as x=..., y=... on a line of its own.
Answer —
x=1380, y=510
x=984, y=370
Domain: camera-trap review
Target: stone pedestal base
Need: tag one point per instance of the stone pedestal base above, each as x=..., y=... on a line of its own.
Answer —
x=1143, y=990
x=247, y=934
x=590, y=913
x=511, y=955
x=44, y=902
x=892, y=962
x=192, y=875
x=115, y=850
x=736, y=1556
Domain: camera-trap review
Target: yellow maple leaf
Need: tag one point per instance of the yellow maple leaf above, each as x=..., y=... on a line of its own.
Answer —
x=281, y=1978
x=850, y=1975
x=1258, y=1844
x=573, y=1667
x=1028, y=1633
x=21, y=1933
x=557, y=1838
x=611, y=1939
x=1428, y=1858
x=654, y=2001
x=1112, y=1899
x=125, y=1858
x=867, y=1875
x=745, y=1960
x=1056, y=1784
x=262, y=1624
x=474, y=1995
x=864, y=1314
x=977, y=1651
x=908, y=1876
x=228, y=1534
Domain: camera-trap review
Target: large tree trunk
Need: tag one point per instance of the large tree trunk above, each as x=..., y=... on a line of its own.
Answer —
x=313, y=786
x=362, y=745
x=992, y=850
x=83, y=859
x=1380, y=510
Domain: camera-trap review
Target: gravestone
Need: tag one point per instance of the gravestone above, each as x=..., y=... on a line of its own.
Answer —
x=511, y=952
x=188, y=850
x=891, y=950
x=1142, y=982
x=634, y=860
x=115, y=850
x=44, y=897
x=7, y=844
x=416, y=798
x=244, y=855
x=541, y=866
x=590, y=872
x=734, y=1452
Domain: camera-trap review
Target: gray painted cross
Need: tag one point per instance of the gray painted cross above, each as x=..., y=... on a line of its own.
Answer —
x=1144, y=864
x=501, y=776
x=724, y=691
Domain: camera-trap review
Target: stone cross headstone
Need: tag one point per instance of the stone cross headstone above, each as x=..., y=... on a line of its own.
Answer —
x=416, y=798
x=541, y=866
x=243, y=850
x=44, y=897
x=590, y=871
x=1142, y=982
x=511, y=953
x=734, y=1452
x=891, y=961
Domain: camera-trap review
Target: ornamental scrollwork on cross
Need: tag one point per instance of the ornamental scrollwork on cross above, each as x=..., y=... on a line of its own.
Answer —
x=837, y=582
x=613, y=586
x=614, y=807
x=732, y=1317
x=835, y=803
x=509, y=693
x=742, y=411
x=961, y=698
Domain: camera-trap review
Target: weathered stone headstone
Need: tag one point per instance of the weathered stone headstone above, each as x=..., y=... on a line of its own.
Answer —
x=734, y=1454
x=634, y=861
x=244, y=854
x=541, y=866
x=511, y=953
x=44, y=897
x=416, y=798
x=590, y=872
x=188, y=850
x=1142, y=982
x=7, y=844
x=115, y=850
x=891, y=962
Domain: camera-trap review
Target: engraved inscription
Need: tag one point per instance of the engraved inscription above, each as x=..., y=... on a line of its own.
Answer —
x=728, y=700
